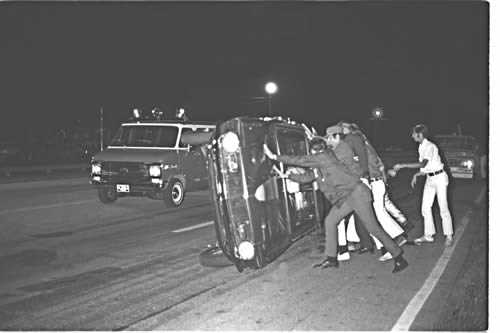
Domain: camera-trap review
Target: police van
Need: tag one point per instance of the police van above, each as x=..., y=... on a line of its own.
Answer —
x=147, y=158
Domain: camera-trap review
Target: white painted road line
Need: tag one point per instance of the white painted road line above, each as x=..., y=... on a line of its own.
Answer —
x=417, y=302
x=57, y=205
x=197, y=226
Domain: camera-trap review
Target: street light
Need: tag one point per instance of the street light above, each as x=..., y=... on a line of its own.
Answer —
x=377, y=115
x=271, y=88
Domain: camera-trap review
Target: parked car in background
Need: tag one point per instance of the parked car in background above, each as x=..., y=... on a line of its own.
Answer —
x=461, y=153
x=147, y=158
x=10, y=153
x=258, y=214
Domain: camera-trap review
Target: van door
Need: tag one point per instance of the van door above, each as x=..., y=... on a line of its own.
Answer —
x=194, y=164
x=298, y=200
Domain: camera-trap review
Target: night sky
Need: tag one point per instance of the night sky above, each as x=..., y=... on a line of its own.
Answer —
x=421, y=61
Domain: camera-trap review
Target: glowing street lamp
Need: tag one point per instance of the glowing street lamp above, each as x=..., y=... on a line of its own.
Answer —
x=271, y=88
x=378, y=113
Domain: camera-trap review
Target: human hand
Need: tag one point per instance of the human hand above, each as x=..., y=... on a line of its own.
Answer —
x=279, y=173
x=414, y=180
x=396, y=167
x=269, y=153
x=392, y=172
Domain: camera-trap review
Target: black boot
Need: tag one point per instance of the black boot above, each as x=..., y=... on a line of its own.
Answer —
x=400, y=263
x=328, y=262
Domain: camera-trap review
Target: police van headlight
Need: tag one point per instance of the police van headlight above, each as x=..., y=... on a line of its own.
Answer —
x=469, y=164
x=96, y=168
x=230, y=142
x=154, y=170
x=246, y=250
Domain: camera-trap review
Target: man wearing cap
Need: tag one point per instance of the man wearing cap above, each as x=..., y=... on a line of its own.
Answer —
x=436, y=183
x=346, y=193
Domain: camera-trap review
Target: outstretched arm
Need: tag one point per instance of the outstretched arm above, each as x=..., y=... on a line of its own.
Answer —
x=303, y=178
x=415, y=165
x=307, y=161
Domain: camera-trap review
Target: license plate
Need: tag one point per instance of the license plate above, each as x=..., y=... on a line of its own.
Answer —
x=122, y=188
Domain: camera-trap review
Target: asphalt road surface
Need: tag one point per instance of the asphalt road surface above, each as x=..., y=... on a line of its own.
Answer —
x=69, y=262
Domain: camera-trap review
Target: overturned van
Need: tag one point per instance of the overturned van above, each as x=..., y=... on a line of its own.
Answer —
x=258, y=214
x=147, y=158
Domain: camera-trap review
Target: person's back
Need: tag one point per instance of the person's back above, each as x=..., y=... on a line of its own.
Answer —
x=345, y=154
x=375, y=164
x=357, y=144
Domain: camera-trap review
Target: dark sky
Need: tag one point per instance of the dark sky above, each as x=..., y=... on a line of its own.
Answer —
x=421, y=61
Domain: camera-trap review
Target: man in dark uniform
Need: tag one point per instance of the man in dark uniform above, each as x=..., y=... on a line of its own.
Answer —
x=346, y=192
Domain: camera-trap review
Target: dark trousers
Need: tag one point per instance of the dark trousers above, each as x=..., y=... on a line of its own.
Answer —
x=357, y=202
x=363, y=234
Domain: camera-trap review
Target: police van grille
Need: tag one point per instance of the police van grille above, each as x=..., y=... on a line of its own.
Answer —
x=129, y=172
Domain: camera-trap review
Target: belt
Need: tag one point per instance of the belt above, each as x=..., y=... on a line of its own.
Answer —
x=435, y=173
x=376, y=179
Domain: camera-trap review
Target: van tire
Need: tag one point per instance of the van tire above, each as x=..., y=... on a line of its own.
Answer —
x=214, y=257
x=107, y=195
x=173, y=195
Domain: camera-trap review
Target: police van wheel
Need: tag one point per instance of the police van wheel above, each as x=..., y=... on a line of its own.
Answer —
x=107, y=195
x=214, y=257
x=173, y=196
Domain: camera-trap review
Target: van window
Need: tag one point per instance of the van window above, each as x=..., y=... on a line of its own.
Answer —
x=146, y=136
x=185, y=131
x=291, y=142
x=456, y=142
x=189, y=130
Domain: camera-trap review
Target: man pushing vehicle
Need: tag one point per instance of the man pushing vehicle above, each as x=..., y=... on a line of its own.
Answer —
x=345, y=191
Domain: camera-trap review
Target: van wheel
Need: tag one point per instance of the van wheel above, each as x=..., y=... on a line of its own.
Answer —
x=107, y=195
x=214, y=257
x=173, y=196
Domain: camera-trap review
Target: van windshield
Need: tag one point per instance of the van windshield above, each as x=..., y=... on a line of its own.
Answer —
x=146, y=136
x=456, y=142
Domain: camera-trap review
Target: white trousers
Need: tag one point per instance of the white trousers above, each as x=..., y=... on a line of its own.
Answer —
x=384, y=218
x=347, y=231
x=393, y=210
x=436, y=185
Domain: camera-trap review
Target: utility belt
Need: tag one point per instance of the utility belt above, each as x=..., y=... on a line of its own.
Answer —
x=375, y=179
x=435, y=173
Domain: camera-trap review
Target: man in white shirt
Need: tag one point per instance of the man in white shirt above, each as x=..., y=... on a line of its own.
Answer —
x=436, y=184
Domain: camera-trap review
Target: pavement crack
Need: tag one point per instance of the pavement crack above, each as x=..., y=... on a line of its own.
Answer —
x=124, y=327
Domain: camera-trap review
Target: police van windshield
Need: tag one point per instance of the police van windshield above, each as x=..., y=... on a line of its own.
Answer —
x=146, y=136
